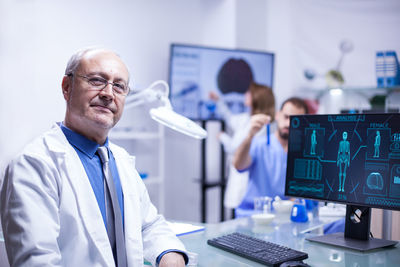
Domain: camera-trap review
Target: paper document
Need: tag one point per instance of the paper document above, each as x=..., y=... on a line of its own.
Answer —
x=184, y=228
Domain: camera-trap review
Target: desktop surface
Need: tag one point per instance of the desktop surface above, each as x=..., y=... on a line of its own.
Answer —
x=287, y=233
x=280, y=231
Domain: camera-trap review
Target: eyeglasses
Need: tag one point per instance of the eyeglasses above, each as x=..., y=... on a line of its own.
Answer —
x=99, y=83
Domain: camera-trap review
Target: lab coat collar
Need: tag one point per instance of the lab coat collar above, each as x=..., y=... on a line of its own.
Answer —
x=85, y=145
x=67, y=159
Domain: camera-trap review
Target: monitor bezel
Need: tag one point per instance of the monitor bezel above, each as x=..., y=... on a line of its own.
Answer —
x=333, y=200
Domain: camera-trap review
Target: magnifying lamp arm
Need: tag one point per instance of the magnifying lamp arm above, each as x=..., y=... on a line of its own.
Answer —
x=164, y=114
x=136, y=99
x=150, y=94
x=166, y=103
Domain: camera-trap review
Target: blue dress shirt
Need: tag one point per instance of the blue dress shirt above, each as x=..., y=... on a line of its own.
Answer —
x=86, y=150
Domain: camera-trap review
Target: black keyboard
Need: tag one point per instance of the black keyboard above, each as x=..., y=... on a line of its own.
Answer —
x=258, y=250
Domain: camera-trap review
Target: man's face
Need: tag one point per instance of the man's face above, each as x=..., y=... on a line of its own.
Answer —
x=283, y=120
x=94, y=109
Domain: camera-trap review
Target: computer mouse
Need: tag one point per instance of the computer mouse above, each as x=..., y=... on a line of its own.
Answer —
x=294, y=264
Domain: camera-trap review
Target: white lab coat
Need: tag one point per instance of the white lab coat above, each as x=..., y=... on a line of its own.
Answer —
x=50, y=215
x=237, y=181
x=239, y=124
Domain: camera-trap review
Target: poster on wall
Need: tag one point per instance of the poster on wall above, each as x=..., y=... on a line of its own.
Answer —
x=196, y=72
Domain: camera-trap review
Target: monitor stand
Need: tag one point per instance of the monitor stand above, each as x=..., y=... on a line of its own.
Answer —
x=356, y=233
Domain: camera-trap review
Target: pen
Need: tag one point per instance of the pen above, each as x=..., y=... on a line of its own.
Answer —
x=267, y=126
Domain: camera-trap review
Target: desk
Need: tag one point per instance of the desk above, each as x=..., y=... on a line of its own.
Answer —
x=3, y=253
x=288, y=234
x=280, y=231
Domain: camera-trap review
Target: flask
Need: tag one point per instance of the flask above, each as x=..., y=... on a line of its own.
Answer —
x=299, y=212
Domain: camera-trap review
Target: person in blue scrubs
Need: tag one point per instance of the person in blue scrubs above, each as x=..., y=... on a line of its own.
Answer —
x=266, y=161
x=259, y=99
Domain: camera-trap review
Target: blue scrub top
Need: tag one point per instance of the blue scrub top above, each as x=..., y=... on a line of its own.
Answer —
x=267, y=172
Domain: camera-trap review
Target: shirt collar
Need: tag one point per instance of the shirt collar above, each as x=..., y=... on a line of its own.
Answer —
x=86, y=146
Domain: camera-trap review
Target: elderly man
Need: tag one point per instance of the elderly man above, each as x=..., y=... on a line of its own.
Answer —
x=72, y=198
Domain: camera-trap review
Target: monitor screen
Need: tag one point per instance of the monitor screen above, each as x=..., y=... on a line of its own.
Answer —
x=352, y=159
x=195, y=71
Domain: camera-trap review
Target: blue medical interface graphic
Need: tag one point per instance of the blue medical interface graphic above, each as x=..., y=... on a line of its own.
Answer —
x=347, y=158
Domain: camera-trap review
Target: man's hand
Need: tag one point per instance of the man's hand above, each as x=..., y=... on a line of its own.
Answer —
x=172, y=259
x=241, y=158
x=213, y=96
x=257, y=121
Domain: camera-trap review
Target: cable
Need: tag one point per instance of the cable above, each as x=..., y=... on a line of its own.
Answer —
x=358, y=217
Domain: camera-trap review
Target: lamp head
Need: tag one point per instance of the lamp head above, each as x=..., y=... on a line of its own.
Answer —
x=179, y=123
x=164, y=114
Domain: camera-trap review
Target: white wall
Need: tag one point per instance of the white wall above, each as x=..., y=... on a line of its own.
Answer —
x=37, y=37
x=307, y=33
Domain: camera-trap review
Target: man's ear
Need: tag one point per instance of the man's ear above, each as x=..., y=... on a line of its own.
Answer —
x=66, y=86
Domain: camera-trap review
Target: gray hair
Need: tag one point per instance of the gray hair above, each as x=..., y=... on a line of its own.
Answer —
x=76, y=58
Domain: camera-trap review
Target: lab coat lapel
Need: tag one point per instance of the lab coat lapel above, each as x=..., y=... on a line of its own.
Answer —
x=132, y=213
x=69, y=162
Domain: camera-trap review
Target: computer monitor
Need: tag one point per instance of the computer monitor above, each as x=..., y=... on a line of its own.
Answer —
x=195, y=71
x=352, y=159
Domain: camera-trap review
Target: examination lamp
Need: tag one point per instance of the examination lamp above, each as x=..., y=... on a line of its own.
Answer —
x=159, y=91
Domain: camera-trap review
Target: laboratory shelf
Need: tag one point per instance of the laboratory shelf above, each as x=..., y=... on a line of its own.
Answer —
x=149, y=146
